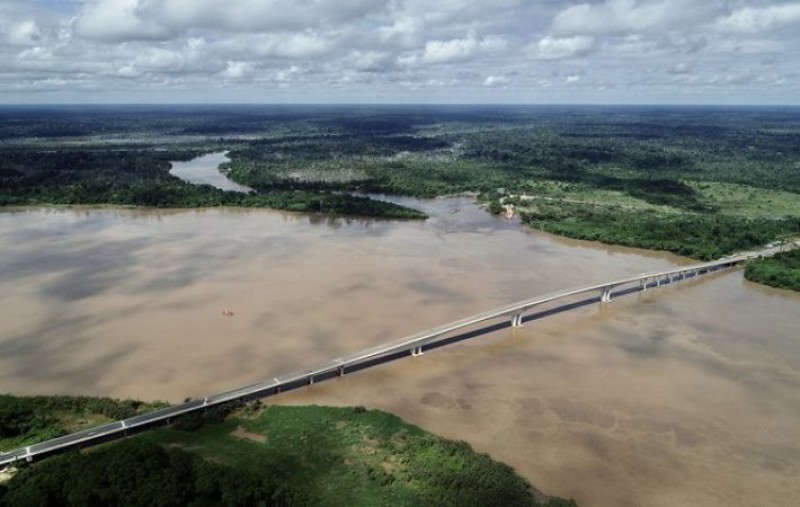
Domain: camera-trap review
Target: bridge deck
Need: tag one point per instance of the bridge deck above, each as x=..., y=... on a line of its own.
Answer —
x=415, y=341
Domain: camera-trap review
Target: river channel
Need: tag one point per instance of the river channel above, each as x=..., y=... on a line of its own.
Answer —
x=686, y=395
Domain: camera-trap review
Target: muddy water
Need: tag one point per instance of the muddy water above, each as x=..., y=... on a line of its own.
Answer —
x=684, y=395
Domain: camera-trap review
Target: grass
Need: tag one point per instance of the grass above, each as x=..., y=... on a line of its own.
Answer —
x=747, y=201
x=312, y=455
x=346, y=456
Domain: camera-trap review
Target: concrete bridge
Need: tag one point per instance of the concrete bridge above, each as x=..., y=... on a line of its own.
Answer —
x=413, y=345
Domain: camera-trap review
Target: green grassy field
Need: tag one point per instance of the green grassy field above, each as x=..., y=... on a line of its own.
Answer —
x=321, y=456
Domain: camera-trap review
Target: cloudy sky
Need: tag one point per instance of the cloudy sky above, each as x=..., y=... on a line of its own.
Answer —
x=399, y=51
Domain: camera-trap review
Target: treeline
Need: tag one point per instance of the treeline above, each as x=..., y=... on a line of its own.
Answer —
x=141, y=178
x=781, y=271
x=310, y=158
x=137, y=472
x=700, y=236
x=308, y=456
x=36, y=418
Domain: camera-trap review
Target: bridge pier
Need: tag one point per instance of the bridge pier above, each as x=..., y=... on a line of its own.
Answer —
x=605, y=295
x=643, y=284
x=341, y=371
x=516, y=320
x=417, y=351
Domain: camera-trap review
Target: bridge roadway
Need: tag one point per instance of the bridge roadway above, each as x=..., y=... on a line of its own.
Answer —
x=413, y=344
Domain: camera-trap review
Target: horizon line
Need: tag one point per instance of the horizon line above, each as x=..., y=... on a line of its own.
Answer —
x=399, y=104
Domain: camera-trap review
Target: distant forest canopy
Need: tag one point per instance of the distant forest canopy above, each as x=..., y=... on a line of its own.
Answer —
x=699, y=181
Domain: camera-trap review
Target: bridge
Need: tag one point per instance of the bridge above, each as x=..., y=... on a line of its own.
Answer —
x=413, y=345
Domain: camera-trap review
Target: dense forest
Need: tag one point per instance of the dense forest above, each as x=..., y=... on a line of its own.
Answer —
x=703, y=182
x=277, y=456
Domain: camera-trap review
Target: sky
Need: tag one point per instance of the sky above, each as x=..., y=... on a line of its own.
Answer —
x=400, y=51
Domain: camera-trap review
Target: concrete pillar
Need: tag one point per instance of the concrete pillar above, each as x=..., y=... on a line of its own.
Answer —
x=341, y=371
x=605, y=295
x=643, y=284
x=516, y=320
x=416, y=351
x=311, y=381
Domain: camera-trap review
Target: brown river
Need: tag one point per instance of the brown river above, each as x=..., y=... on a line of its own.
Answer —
x=685, y=395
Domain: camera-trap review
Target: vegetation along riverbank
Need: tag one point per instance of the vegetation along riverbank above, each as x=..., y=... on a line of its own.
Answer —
x=270, y=456
x=700, y=182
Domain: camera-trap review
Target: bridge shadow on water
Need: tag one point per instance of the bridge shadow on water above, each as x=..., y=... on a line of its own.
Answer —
x=468, y=335
x=449, y=340
x=176, y=412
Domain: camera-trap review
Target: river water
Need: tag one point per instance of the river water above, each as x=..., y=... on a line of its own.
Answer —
x=686, y=395
x=204, y=170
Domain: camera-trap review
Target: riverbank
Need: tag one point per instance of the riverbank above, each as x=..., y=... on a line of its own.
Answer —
x=781, y=271
x=101, y=296
x=302, y=455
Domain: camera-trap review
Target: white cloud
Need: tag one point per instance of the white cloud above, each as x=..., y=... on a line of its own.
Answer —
x=632, y=16
x=753, y=20
x=23, y=33
x=405, y=31
x=117, y=20
x=459, y=50
x=236, y=70
x=496, y=81
x=550, y=48
x=399, y=49
x=286, y=45
x=370, y=61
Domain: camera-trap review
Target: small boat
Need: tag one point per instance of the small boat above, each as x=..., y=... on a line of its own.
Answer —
x=455, y=210
x=227, y=313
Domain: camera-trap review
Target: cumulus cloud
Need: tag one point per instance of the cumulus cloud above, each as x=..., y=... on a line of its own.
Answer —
x=557, y=48
x=413, y=50
x=117, y=20
x=754, y=19
x=236, y=70
x=459, y=50
x=632, y=16
x=496, y=81
x=23, y=33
